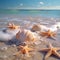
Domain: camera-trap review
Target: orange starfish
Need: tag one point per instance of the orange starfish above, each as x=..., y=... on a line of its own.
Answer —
x=49, y=33
x=51, y=50
x=12, y=26
x=24, y=50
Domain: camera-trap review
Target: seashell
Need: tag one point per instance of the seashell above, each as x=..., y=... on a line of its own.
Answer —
x=38, y=27
x=4, y=48
x=13, y=45
x=26, y=35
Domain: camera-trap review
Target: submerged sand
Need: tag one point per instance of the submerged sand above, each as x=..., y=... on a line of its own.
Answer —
x=7, y=51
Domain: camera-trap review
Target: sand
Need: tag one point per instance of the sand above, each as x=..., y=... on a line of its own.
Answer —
x=7, y=51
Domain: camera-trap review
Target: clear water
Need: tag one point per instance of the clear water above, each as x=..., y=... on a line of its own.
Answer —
x=45, y=13
x=29, y=17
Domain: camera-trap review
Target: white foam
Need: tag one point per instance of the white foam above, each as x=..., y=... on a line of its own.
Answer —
x=54, y=27
x=8, y=35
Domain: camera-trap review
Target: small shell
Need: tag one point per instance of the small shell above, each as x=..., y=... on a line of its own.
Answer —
x=36, y=27
x=39, y=27
x=4, y=48
x=14, y=45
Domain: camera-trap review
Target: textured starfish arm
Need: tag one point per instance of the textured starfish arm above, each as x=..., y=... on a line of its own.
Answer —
x=10, y=27
x=27, y=53
x=16, y=27
x=43, y=33
x=46, y=36
x=48, y=54
x=30, y=49
x=57, y=54
x=54, y=34
x=27, y=48
x=57, y=49
x=44, y=49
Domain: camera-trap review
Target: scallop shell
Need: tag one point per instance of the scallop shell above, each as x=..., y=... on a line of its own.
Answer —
x=26, y=35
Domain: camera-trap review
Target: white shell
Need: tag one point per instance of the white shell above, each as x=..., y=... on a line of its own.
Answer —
x=26, y=35
x=45, y=28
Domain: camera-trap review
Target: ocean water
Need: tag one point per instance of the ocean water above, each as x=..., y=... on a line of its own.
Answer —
x=29, y=16
x=31, y=12
x=26, y=18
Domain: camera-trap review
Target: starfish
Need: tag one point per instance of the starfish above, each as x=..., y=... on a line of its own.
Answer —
x=12, y=26
x=48, y=33
x=24, y=50
x=51, y=50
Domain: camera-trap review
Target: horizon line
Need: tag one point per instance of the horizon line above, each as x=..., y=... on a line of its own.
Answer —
x=29, y=9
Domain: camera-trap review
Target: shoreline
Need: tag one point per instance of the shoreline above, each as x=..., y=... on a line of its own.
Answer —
x=8, y=54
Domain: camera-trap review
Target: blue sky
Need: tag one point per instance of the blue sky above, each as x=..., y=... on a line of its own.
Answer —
x=30, y=4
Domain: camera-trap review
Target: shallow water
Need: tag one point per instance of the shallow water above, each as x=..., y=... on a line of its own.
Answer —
x=27, y=22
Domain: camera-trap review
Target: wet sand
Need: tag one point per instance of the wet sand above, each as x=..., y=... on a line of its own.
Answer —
x=7, y=51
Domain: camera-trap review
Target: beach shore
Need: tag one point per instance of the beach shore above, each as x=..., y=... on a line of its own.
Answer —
x=7, y=51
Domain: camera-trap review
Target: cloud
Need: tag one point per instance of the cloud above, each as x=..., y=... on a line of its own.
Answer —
x=21, y=4
x=51, y=7
x=41, y=3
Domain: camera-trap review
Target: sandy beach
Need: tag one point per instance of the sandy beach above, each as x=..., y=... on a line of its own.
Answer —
x=7, y=50
x=29, y=29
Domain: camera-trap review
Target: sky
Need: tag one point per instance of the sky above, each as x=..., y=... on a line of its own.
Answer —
x=29, y=4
